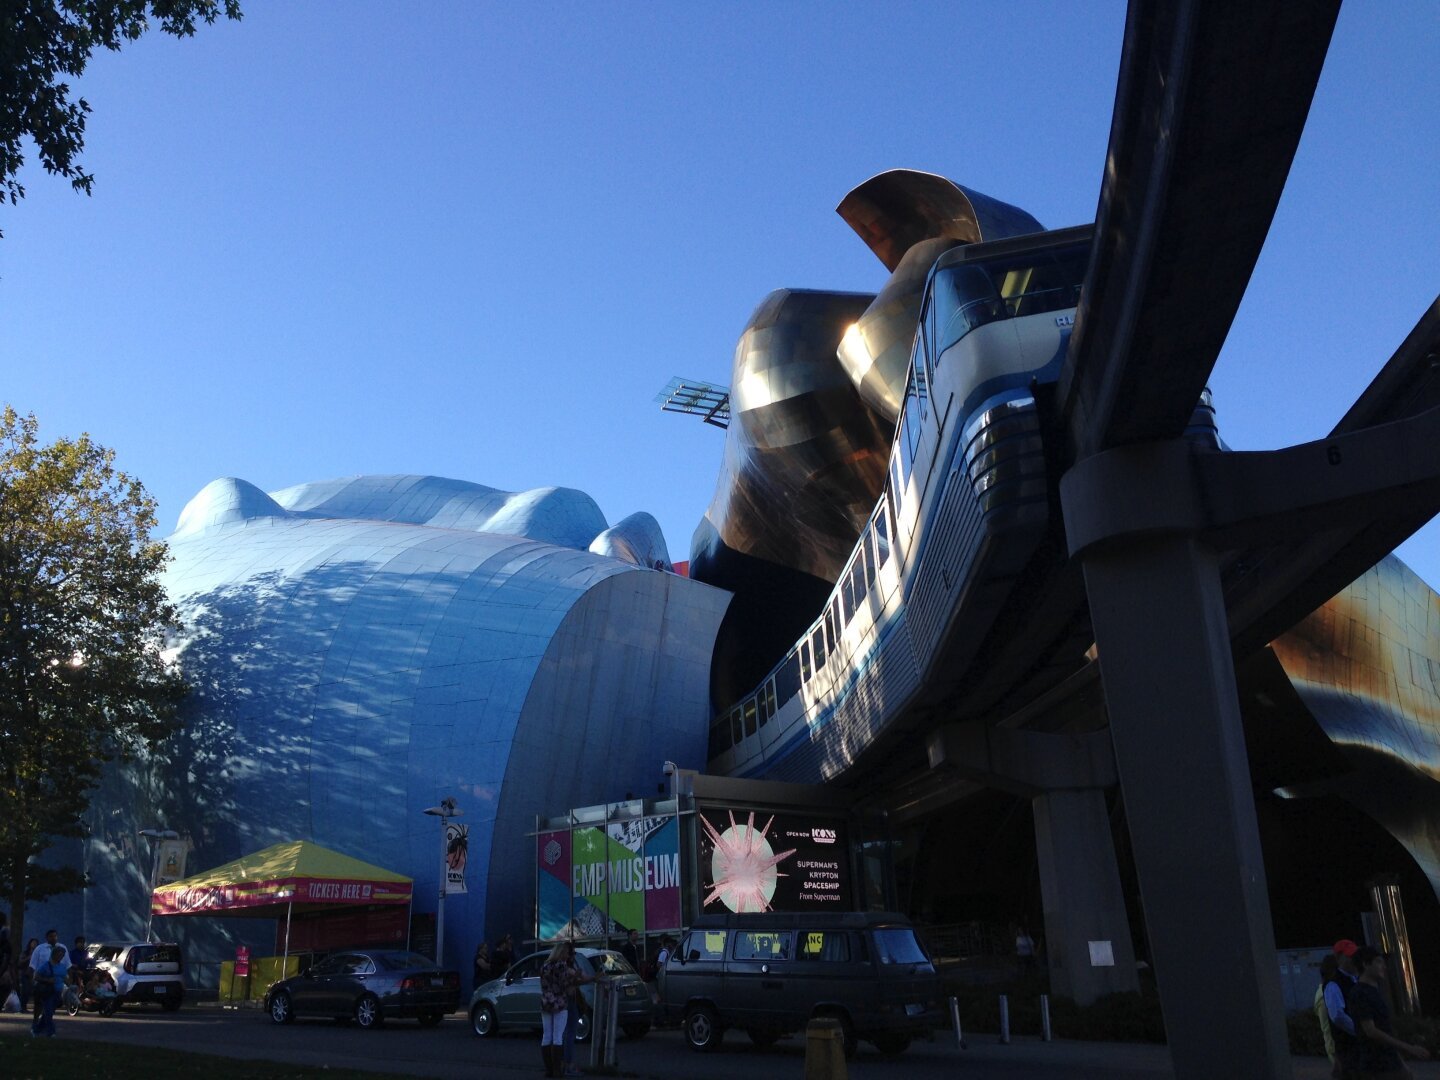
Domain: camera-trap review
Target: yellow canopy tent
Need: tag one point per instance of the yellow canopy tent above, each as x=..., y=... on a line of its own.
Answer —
x=271, y=882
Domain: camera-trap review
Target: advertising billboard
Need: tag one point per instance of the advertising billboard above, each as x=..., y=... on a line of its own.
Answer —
x=601, y=880
x=753, y=860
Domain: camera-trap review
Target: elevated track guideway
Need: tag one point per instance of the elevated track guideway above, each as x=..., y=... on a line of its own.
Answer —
x=1056, y=488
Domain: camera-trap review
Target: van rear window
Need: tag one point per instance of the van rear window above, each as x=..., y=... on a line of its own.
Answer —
x=762, y=945
x=897, y=945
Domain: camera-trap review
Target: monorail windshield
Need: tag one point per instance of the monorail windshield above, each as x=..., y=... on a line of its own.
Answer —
x=971, y=294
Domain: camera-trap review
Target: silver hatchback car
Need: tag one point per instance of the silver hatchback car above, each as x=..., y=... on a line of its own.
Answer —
x=142, y=971
x=513, y=1000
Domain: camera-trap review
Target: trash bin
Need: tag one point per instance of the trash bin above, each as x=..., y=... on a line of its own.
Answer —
x=824, y=1050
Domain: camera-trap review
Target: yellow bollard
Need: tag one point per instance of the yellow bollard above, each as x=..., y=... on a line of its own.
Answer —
x=824, y=1050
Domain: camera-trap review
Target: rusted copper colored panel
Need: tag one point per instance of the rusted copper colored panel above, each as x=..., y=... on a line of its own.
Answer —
x=804, y=457
x=894, y=211
x=1367, y=665
x=875, y=350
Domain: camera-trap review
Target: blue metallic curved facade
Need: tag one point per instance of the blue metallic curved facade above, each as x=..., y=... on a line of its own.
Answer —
x=361, y=648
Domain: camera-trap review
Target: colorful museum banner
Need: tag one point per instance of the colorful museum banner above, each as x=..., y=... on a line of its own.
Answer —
x=754, y=860
x=457, y=853
x=602, y=881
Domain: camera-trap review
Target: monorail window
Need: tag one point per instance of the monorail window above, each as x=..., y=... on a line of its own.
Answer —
x=787, y=678
x=917, y=393
x=968, y=295
x=847, y=600
x=817, y=642
x=770, y=698
x=750, y=717
x=857, y=572
x=804, y=653
x=882, y=526
x=736, y=734
x=833, y=625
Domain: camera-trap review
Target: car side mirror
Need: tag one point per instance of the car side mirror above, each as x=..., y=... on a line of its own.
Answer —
x=509, y=978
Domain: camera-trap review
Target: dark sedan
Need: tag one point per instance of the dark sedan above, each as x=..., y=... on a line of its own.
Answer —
x=369, y=988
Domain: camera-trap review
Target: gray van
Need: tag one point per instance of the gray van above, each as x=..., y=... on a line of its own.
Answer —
x=770, y=973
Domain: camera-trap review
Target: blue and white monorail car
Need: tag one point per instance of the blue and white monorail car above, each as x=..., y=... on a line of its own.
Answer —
x=966, y=502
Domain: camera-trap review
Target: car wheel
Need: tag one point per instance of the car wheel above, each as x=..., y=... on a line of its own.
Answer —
x=636, y=1031
x=891, y=1045
x=582, y=1028
x=109, y=1008
x=702, y=1028
x=281, y=1011
x=367, y=1012
x=763, y=1037
x=431, y=1019
x=482, y=1020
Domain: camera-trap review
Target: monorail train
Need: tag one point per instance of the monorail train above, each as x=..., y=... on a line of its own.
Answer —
x=967, y=501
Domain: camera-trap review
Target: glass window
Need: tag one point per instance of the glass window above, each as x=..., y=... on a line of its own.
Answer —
x=830, y=629
x=897, y=945
x=736, y=731
x=610, y=963
x=805, y=669
x=859, y=573
x=769, y=699
x=331, y=965
x=704, y=945
x=529, y=968
x=847, y=601
x=817, y=642
x=787, y=678
x=883, y=521
x=407, y=961
x=750, y=717
x=824, y=945
x=762, y=945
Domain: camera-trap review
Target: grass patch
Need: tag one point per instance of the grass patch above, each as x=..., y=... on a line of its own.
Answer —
x=26, y=1058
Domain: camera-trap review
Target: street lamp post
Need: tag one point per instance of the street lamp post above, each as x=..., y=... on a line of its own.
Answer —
x=445, y=811
x=154, y=835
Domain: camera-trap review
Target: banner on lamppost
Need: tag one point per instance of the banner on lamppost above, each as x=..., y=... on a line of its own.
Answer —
x=457, y=850
x=170, y=861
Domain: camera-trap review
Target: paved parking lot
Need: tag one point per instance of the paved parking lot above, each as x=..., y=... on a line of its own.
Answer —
x=451, y=1050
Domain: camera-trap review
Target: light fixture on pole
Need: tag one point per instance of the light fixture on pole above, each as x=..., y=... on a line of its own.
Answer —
x=154, y=835
x=445, y=811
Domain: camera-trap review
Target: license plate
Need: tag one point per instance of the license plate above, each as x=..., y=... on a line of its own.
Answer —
x=914, y=1010
x=631, y=991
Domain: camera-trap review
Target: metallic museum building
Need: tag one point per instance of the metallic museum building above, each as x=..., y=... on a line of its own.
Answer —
x=880, y=600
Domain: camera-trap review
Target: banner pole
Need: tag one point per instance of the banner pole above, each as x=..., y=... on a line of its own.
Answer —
x=285, y=963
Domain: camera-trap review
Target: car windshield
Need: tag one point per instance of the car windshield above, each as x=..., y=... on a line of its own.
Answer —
x=610, y=963
x=897, y=945
x=404, y=961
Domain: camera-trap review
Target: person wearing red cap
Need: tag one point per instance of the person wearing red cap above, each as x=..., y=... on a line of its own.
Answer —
x=1342, y=1027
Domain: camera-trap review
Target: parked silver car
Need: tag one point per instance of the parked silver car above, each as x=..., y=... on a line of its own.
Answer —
x=513, y=1000
x=369, y=987
x=142, y=971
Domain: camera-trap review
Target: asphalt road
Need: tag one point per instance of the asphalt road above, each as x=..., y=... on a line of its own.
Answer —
x=451, y=1050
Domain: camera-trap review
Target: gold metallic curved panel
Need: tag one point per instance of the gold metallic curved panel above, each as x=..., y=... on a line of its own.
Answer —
x=895, y=210
x=875, y=350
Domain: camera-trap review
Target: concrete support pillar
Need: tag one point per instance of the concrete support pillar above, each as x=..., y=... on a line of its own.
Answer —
x=1164, y=647
x=1084, y=904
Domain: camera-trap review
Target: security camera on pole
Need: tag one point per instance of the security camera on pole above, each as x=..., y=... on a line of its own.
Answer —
x=445, y=811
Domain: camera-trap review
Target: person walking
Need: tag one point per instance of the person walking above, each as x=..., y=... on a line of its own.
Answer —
x=503, y=956
x=49, y=978
x=1379, y=1049
x=482, y=965
x=1337, y=993
x=557, y=977
x=27, y=973
x=45, y=954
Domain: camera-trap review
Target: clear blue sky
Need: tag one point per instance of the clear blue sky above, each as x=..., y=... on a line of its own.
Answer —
x=475, y=239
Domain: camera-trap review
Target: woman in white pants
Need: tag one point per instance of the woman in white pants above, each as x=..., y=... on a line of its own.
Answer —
x=557, y=978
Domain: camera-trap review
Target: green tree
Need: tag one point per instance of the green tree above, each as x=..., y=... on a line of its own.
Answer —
x=83, y=619
x=42, y=42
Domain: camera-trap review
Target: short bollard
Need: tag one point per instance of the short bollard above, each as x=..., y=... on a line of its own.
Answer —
x=1045, y=1017
x=825, y=1050
x=955, y=1021
x=1004, y=1020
